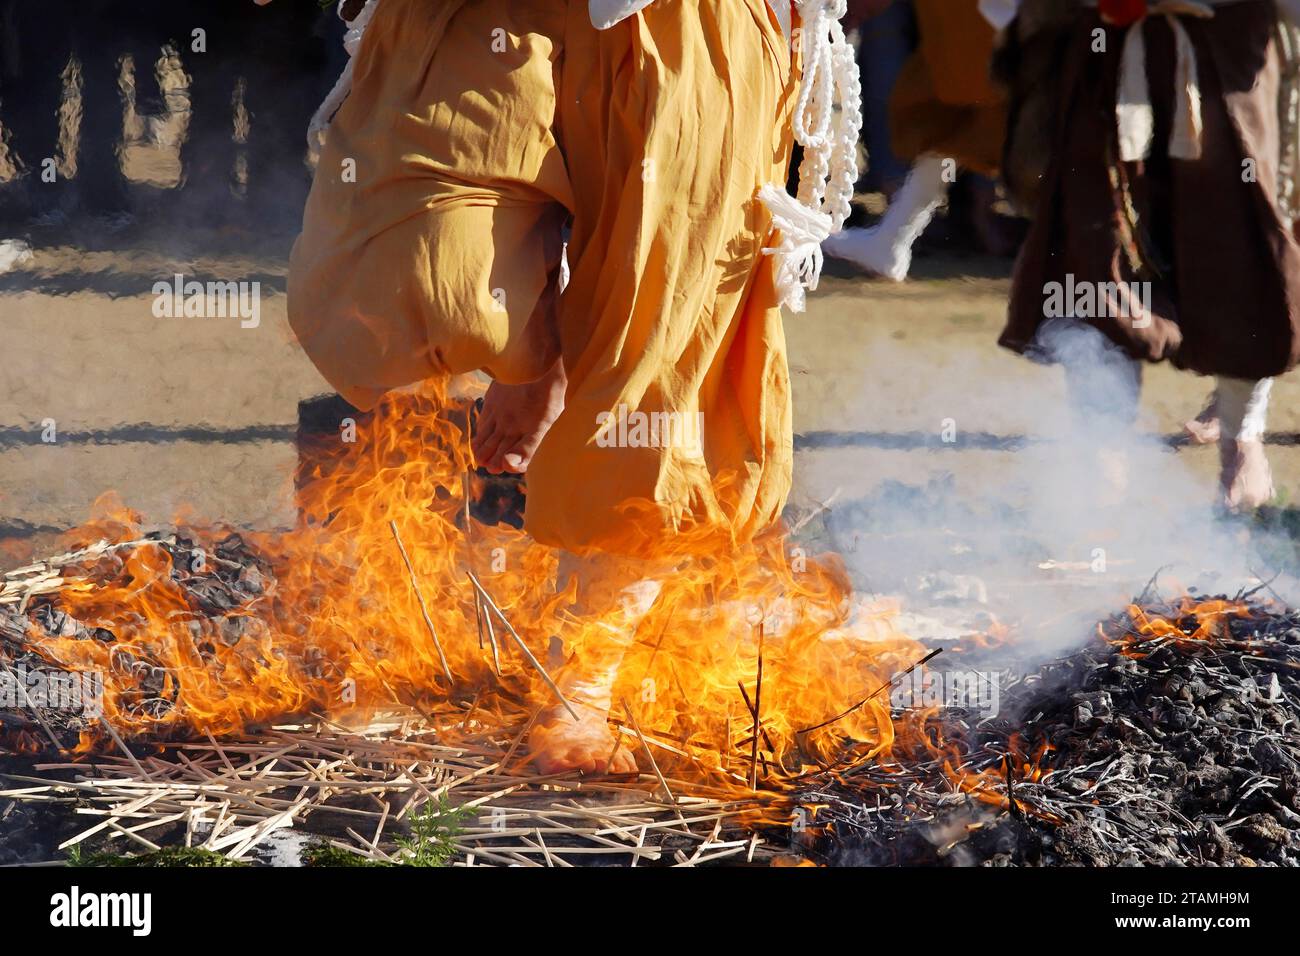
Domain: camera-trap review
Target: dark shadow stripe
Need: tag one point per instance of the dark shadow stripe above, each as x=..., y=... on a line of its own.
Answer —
x=910, y=441
x=11, y=528
x=979, y=441
x=151, y=434
x=11, y=437
x=117, y=285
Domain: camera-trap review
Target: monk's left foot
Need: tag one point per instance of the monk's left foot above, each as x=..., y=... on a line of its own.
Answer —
x=514, y=420
x=560, y=744
x=1246, y=479
x=1204, y=428
x=1202, y=431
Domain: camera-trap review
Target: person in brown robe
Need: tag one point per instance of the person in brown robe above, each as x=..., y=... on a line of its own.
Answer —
x=1157, y=223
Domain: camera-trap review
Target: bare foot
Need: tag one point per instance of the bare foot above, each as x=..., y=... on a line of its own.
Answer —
x=514, y=420
x=1204, y=428
x=559, y=743
x=616, y=593
x=1245, y=477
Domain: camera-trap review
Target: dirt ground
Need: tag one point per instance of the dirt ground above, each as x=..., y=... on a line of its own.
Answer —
x=199, y=414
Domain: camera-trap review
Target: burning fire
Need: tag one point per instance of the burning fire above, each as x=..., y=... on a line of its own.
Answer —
x=1189, y=620
x=370, y=602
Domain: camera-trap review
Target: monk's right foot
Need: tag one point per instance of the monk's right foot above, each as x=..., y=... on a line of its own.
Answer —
x=885, y=249
x=1246, y=480
x=560, y=744
x=514, y=420
x=873, y=250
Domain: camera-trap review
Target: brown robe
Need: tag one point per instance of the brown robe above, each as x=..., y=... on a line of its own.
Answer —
x=1224, y=269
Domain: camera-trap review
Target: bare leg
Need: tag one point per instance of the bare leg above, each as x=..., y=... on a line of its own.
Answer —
x=613, y=595
x=1204, y=428
x=514, y=420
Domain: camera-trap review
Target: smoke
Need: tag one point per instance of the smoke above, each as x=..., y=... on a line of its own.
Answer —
x=1054, y=524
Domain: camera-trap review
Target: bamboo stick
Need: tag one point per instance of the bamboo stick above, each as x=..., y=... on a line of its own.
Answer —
x=419, y=595
x=866, y=700
x=555, y=688
x=649, y=754
x=758, y=706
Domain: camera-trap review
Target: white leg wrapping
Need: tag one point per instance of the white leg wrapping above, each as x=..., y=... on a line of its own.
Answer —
x=1243, y=407
x=886, y=248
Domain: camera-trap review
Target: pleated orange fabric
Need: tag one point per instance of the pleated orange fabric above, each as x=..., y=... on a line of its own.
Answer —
x=474, y=132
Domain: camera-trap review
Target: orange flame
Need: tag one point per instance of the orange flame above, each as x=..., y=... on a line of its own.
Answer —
x=337, y=626
x=1189, y=620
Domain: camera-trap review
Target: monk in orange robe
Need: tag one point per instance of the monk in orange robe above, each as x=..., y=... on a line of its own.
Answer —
x=474, y=133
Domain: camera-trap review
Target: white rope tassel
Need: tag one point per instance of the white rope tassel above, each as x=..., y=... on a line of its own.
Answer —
x=320, y=121
x=827, y=123
x=1133, y=112
x=799, y=256
x=1185, y=139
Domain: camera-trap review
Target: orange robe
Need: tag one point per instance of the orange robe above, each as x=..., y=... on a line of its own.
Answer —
x=474, y=131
